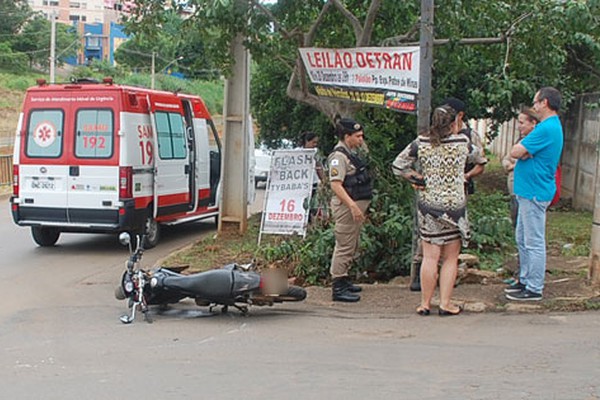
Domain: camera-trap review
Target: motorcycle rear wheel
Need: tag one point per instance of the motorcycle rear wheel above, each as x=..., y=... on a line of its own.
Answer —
x=293, y=293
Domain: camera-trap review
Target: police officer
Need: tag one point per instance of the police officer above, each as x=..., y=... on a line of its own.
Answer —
x=352, y=192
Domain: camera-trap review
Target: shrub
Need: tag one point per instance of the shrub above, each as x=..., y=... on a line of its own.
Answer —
x=385, y=242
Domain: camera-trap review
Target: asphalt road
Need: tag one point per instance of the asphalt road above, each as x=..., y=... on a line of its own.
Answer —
x=61, y=339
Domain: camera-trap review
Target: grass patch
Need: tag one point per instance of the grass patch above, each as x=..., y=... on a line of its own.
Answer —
x=215, y=251
x=569, y=232
x=591, y=304
x=19, y=81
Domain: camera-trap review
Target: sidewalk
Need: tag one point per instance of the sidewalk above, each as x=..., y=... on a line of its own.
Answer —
x=5, y=193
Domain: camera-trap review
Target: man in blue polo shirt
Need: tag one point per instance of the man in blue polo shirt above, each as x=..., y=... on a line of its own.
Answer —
x=538, y=155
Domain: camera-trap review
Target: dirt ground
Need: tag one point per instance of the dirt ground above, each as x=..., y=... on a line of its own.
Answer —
x=478, y=291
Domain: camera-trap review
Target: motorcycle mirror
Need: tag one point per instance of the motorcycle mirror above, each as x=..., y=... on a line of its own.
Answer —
x=124, y=238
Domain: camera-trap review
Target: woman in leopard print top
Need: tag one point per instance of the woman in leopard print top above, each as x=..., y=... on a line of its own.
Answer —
x=441, y=154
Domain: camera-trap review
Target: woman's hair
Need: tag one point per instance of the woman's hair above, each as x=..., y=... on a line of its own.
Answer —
x=441, y=120
x=306, y=137
x=530, y=114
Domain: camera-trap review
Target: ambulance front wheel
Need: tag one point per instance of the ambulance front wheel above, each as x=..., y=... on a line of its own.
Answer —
x=151, y=232
x=45, y=236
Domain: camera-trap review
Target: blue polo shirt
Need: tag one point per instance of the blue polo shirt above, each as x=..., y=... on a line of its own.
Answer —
x=535, y=176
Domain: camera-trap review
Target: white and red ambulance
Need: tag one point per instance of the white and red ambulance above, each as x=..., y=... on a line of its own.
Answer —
x=98, y=157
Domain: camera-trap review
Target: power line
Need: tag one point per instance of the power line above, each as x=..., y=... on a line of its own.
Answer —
x=25, y=34
x=16, y=53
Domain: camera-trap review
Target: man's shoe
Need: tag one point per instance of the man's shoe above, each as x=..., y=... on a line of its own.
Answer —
x=515, y=288
x=524, y=295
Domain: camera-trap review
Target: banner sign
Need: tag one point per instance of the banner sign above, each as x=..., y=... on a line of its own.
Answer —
x=382, y=76
x=289, y=188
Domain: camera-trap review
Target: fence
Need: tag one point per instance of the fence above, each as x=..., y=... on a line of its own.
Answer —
x=580, y=152
x=6, y=170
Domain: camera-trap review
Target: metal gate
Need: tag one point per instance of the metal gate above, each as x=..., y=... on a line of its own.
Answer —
x=6, y=170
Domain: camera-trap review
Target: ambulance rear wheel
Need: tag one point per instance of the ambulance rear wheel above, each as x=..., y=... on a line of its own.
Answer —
x=151, y=232
x=45, y=236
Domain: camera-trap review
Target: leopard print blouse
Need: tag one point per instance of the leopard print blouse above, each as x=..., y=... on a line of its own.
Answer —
x=442, y=205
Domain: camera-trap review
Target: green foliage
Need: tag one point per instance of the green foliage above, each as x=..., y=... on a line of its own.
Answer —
x=488, y=215
x=19, y=82
x=385, y=245
x=162, y=31
x=14, y=14
x=493, y=78
x=210, y=91
x=279, y=116
x=569, y=232
x=34, y=41
x=492, y=234
x=385, y=242
x=98, y=69
x=10, y=60
x=309, y=258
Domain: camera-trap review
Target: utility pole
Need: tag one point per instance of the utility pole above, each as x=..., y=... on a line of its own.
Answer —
x=152, y=70
x=52, y=45
x=426, y=38
x=425, y=64
x=236, y=118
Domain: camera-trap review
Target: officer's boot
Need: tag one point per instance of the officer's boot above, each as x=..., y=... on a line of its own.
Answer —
x=340, y=291
x=415, y=284
x=352, y=288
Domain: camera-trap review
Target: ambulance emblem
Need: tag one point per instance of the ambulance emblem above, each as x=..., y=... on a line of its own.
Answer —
x=44, y=134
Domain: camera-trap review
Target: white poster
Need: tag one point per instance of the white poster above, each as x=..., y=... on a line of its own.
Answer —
x=288, y=192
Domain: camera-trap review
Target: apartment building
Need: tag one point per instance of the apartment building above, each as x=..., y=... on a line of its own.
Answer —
x=97, y=21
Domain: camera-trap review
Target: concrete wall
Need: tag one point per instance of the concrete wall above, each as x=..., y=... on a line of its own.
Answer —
x=580, y=152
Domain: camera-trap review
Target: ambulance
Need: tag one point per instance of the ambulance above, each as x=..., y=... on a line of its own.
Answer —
x=98, y=157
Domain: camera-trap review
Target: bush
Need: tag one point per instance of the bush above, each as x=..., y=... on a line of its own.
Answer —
x=385, y=242
x=492, y=233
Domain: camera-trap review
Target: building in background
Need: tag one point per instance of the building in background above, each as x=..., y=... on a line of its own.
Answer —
x=96, y=21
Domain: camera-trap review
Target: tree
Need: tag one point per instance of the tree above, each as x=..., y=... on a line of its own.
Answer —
x=14, y=15
x=34, y=41
x=493, y=78
x=173, y=37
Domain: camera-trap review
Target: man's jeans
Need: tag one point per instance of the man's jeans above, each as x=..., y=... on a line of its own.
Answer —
x=531, y=242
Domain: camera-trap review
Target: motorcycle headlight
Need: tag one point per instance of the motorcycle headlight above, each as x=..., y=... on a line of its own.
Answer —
x=153, y=282
x=128, y=287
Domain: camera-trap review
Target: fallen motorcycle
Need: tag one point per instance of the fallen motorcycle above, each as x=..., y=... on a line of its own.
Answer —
x=233, y=285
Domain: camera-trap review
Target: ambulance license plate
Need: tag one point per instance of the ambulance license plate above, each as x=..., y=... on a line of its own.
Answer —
x=43, y=184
